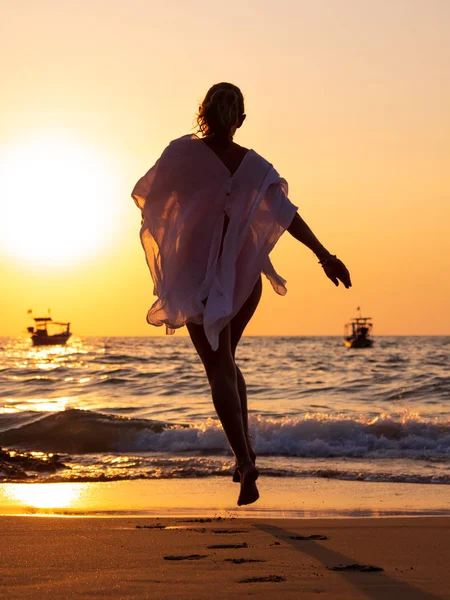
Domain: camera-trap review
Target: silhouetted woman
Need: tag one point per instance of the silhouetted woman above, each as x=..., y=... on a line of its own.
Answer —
x=212, y=211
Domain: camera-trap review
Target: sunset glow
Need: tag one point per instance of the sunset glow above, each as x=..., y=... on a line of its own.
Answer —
x=42, y=495
x=56, y=201
x=349, y=101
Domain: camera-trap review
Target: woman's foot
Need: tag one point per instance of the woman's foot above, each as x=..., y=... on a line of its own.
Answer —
x=236, y=476
x=248, y=475
x=252, y=454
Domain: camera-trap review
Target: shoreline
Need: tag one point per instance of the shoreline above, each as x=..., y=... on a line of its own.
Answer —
x=215, y=496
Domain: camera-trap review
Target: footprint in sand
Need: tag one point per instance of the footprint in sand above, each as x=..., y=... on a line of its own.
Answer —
x=240, y=561
x=229, y=531
x=183, y=528
x=225, y=546
x=268, y=579
x=357, y=567
x=308, y=537
x=186, y=557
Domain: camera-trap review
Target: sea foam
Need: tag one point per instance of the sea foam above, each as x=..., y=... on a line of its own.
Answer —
x=316, y=435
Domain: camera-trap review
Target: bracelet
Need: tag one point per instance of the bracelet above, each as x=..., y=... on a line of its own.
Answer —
x=324, y=261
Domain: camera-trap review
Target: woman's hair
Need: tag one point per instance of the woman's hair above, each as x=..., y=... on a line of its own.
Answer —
x=220, y=110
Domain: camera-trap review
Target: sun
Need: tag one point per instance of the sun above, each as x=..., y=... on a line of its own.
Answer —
x=45, y=495
x=56, y=201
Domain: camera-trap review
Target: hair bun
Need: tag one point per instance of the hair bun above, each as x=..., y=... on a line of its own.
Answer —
x=220, y=110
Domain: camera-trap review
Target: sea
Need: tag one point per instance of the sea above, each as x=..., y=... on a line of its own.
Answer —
x=128, y=408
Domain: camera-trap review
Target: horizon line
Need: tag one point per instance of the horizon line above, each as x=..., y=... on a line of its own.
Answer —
x=335, y=335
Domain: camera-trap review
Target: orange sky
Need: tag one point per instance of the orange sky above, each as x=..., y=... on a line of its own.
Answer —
x=348, y=99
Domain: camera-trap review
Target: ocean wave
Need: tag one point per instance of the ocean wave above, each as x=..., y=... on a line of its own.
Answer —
x=315, y=435
x=53, y=468
x=119, y=359
x=78, y=431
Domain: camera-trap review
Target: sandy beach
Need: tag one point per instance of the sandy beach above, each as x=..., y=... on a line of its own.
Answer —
x=187, y=539
x=387, y=558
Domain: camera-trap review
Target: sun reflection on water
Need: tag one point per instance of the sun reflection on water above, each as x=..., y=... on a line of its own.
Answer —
x=46, y=495
x=35, y=404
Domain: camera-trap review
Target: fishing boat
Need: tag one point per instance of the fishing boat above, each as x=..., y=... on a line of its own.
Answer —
x=358, y=332
x=47, y=332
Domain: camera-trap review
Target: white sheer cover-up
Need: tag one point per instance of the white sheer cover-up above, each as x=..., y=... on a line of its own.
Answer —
x=192, y=254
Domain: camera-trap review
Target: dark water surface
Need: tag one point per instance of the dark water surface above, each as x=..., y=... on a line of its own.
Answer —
x=127, y=408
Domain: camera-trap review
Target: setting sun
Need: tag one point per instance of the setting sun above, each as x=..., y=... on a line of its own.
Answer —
x=42, y=495
x=56, y=201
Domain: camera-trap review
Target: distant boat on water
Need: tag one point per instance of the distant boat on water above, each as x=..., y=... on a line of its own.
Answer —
x=47, y=332
x=358, y=332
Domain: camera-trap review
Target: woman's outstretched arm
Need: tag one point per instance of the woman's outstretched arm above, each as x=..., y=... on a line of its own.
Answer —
x=333, y=267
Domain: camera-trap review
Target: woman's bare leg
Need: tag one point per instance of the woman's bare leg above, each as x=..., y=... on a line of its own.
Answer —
x=237, y=327
x=242, y=390
x=222, y=376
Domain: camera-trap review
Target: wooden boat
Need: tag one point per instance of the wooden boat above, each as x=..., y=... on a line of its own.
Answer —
x=47, y=332
x=358, y=332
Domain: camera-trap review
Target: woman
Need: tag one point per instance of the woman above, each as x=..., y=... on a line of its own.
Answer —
x=211, y=213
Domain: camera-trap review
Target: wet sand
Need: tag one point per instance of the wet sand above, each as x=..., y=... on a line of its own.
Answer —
x=213, y=496
x=389, y=558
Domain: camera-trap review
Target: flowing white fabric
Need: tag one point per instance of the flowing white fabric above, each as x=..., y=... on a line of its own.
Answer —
x=191, y=253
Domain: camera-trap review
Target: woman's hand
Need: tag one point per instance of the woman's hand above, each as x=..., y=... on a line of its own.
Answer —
x=336, y=271
x=333, y=267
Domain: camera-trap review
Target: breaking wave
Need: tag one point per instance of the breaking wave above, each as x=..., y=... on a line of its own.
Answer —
x=315, y=435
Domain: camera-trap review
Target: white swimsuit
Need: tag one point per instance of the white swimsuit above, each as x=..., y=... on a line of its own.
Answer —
x=184, y=199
